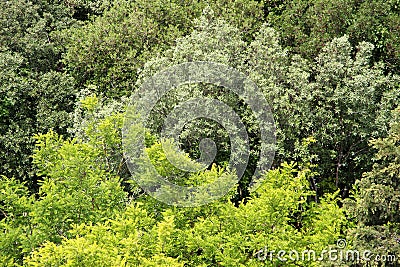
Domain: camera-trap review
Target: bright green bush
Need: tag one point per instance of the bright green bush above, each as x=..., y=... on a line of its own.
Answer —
x=76, y=187
x=277, y=217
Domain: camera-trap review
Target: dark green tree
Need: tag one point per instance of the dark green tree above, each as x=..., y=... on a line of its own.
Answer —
x=108, y=50
x=307, y=25
x=375, y=203
x=35, y=95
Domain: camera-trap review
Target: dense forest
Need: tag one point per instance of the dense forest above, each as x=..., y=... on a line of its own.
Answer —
x=318, y=101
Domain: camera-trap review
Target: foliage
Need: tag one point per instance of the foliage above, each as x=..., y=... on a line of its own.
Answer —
x=47, y=102
x=376, y=199
x=329, y=70
x=82, y=217
x=307, y=25
x=82, y=9
x=76, y=189
x=216, y=234
x=339, y=99
x=34, y=95
x=108, y=50
x=347, y=99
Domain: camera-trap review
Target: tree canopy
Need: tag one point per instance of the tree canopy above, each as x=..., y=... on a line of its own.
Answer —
x=70, y=72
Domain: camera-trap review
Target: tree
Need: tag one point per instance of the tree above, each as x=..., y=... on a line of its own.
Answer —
x=322, y=99
x=76, y=187
x=307, y=25
x=375, y=203
x=347, y=99
x=276, y=217
x=109, y=50
x=34, y=95
x=30, y=103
